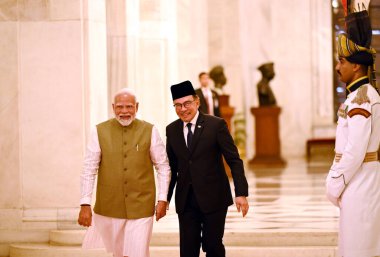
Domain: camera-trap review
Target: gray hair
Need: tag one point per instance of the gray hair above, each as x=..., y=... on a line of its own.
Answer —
x=125, y=91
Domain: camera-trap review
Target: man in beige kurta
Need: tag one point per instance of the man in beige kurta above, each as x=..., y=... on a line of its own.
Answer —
x=122, y=152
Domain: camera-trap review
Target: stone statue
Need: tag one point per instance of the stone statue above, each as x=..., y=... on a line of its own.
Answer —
x=266, y=96
x=217, y=75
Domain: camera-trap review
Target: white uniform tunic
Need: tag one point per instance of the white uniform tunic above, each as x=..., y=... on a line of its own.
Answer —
x=352, y=184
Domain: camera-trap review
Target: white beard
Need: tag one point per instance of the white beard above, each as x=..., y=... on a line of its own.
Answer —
x=125, y=123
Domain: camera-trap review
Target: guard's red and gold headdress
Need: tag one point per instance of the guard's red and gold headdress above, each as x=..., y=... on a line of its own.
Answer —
x=355, y=44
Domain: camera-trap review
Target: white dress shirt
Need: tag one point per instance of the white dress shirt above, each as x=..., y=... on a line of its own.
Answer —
x=207, y=93
x=92, y=159
x=193, y=122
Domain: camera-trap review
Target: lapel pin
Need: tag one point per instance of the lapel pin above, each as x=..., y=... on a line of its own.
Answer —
x=199, y=126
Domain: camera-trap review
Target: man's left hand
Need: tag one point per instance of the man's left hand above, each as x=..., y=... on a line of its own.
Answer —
x=242, y=204
x=160, y=209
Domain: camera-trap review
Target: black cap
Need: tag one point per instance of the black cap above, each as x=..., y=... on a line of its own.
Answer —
x=182, y=89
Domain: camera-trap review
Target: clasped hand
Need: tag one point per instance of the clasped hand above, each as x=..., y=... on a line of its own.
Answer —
x=160, y=209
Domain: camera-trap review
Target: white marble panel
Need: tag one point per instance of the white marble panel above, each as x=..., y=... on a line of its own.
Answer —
x=293, y=83
x=151, y=81
x=215, y=31
x=10, y=187
x=322, y=68
x=150, y=9
x=10, y=219
x=116, y=17
x=94, y=10
x=33, y=10
x=152, y=59
x=96, y=72
x=116, y=48
x=225, y=47
x=65, y=9
x=51, y=112
x=192, y=39
x=117, y=65
x=8, y=10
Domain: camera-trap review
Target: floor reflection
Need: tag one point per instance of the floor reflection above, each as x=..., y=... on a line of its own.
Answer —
x=289, y=199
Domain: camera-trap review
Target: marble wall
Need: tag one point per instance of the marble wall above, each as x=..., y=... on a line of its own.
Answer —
x=224, y=28
x=53, y=77
x=10, y=176
x=192, y=40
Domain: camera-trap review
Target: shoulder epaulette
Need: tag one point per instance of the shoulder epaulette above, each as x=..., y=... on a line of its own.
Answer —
x=361, y=96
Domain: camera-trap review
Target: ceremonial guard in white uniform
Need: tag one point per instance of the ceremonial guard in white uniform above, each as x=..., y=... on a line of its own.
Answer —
x=353, y=182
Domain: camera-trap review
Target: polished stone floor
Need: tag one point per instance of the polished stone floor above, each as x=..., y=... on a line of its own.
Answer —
x=288, y=199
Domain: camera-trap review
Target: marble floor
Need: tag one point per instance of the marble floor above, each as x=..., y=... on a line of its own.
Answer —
x=288, y=199
x=289, y=216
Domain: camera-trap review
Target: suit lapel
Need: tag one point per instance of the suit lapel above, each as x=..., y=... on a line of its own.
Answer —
x=203, y=99
x=181, y=136
x=197, y=131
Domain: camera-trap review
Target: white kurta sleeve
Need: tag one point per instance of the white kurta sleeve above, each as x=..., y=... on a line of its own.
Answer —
x=90, y=168
x=160, y=161
x=359, y=131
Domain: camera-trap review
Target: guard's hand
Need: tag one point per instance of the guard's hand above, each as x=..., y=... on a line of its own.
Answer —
x=242, y=204
x=340, y=202
x=160, y=209
x=85, y=216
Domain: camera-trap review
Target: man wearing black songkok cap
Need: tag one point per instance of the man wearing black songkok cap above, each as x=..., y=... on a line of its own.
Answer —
x=353, y=182
x=196, y=144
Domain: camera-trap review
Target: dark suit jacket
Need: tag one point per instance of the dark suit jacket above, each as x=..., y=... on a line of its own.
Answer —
x=202, y=166
x=203, y=104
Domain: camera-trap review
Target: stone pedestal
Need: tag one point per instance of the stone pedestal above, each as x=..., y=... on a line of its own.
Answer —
x=268, y=147
x=226, y=112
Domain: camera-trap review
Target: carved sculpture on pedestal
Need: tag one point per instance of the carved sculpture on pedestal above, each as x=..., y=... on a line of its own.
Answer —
x=265, y=93
x=268, y=144
x=226, y=111
x=217, y=75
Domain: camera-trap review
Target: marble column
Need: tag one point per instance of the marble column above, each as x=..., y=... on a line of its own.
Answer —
x=52, y=85
x=192, y=41
x=151, y=57
x=225, y=46
x=10, y=175
x=116, y=47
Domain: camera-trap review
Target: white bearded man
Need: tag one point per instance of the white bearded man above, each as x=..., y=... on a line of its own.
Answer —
x=122, y=152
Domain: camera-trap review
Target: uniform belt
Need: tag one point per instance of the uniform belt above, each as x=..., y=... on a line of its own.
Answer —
x=369, y=157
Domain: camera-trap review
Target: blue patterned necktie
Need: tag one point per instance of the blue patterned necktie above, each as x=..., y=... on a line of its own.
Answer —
x=189, y=135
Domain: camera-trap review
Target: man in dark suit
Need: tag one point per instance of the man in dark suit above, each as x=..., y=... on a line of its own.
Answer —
x=196, y=143
x=208, y=98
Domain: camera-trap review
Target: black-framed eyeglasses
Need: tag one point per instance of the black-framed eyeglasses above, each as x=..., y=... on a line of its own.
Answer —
x=186, y=104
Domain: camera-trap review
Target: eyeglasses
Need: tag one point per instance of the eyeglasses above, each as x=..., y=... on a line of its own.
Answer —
x=186, y=104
